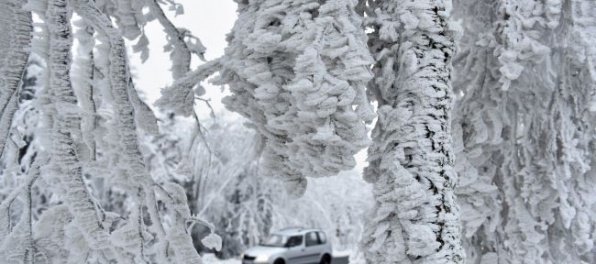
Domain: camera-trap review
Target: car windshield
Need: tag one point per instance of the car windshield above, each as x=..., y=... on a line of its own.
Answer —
x=275, y=241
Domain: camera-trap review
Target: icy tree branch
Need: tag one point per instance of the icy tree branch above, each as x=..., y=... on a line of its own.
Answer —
x=297, y=70
x=133, y=174
x=66, y=167
x=180, y=54
x=16, y=27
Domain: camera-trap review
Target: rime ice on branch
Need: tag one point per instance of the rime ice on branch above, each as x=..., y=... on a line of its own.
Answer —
x=524, y=153
x=65, y=174
x=297, y=69
x=15, y=25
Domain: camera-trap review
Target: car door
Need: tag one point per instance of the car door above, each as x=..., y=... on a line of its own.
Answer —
x=312, y=247
x=296, y=250
x=325, y=245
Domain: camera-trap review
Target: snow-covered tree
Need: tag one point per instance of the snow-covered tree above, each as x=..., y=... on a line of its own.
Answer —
x=416, y=218
x=88, y=176
x=88, y=145
x=524, y=133
x=216, y=166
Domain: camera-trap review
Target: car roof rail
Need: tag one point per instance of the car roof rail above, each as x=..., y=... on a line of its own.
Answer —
x=292, y=227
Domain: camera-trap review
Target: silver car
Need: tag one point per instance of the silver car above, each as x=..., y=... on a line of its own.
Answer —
x=291, y=246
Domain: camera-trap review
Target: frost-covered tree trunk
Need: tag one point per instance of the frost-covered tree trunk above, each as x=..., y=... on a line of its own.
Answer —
x=524, y=131
x=416, y=218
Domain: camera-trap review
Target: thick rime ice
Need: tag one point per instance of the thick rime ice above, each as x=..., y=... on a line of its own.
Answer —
x=415, y=219
x=516, y=35
x=297, y=69
x=525, y=154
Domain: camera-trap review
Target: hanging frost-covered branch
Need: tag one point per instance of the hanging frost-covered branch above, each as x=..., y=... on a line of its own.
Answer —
x=15, y=25
x=84, y=85
x=180, y=50
x=18, y=244
x=525, y=153
x=296, y=70
x=133, y=173
x=477, y=140
x=66, y=172
x=180, y=97
x=517, y=37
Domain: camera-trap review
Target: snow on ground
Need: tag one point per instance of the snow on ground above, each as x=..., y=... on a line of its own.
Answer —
x=341, y=253
x=211, y=259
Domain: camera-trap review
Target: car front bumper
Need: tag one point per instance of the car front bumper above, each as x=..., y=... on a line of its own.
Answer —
x=254, y=262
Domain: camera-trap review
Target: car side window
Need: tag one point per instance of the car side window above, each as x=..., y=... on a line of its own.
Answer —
x=311, y=239
x=294, y=241
x=322, y=237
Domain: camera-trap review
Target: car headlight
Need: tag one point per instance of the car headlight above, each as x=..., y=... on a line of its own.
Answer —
x=262, y=258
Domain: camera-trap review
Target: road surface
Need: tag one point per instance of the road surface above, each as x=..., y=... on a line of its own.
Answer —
x=340, y=260
x=211, y=259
